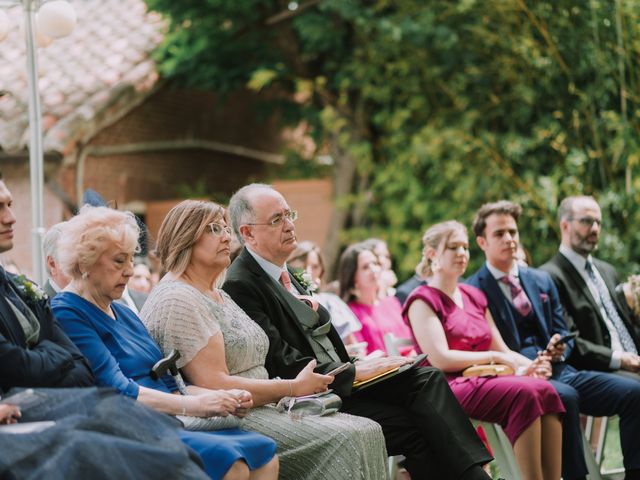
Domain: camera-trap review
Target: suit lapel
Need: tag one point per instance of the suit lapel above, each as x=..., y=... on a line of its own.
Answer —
x=580, y=286
x=503, y=315
x=298, y=310
x=532, y=290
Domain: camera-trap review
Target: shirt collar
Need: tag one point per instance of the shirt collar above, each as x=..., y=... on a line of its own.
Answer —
x=272, y=269
x=54, y=285
x=577, y=260
x=498, y=274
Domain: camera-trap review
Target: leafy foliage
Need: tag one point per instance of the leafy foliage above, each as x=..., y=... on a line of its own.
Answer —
x=442, y=105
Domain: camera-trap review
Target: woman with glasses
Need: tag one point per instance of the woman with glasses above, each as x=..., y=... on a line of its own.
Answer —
x=451, y=323
x=221, y=346
x=96, y=250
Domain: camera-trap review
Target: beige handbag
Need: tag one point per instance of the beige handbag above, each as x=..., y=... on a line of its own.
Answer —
x=489, y=370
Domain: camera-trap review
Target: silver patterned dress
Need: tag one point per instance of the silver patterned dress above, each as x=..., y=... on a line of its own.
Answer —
x=337, y=446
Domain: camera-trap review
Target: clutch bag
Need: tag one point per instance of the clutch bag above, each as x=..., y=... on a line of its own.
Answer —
x=490, y=370
x=205, y=424
x=318, y=404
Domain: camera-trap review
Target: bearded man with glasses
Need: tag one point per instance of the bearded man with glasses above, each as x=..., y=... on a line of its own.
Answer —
x=608, y=340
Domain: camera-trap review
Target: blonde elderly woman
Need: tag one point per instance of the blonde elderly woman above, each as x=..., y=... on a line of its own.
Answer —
x=96, y=250
x=221, y=345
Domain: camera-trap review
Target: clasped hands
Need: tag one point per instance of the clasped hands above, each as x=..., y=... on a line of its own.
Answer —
x=9, y=414
x=218, y=403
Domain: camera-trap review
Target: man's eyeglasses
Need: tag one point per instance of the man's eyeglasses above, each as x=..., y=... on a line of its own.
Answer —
x=587, y=221
x=218, y=229
x=276, y=221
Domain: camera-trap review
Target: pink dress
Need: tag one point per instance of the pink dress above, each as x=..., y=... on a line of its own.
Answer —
x=514, y=402
x=378, y=319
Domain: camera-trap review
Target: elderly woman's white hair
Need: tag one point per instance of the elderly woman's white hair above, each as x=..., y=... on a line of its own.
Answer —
x=90, y=233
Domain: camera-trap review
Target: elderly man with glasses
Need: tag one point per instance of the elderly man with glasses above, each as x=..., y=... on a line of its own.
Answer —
x=608, y=340
x=419, y=415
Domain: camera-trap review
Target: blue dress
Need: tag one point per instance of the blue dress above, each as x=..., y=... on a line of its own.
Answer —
x=121, y=353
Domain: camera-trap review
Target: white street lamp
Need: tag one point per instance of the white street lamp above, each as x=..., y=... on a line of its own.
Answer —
x=55, y=19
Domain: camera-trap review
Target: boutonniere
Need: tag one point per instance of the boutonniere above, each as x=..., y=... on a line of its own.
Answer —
x=305, y=280
x=544, y=297
x=28, y=289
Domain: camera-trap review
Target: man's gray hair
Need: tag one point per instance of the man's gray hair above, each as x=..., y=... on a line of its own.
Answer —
x=565, y=210
x=50, y=243
x=240, y=209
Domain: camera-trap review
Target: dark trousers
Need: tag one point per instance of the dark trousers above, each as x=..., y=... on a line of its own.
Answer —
x=602, y=395
x=422, y=420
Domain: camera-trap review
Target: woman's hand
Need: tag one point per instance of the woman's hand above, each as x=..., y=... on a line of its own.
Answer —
x=218, y=403
x=540, y=367
x=308, y=382
x=245, y=402
x=506, y=358
x=9, y=414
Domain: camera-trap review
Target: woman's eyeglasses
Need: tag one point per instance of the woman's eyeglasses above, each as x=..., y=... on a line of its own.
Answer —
x=218, y=229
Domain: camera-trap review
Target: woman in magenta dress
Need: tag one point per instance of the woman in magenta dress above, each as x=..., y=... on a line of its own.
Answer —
x=451, y=323
x=359, y=275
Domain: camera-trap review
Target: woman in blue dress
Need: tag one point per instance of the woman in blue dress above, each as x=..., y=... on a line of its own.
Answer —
x=96, y=250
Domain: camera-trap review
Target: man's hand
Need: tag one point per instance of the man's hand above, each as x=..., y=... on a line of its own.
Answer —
x=367, y=369
x=630, y=362
x=556, y=352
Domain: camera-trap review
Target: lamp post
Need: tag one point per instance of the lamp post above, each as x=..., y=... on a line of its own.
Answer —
x=55, y=19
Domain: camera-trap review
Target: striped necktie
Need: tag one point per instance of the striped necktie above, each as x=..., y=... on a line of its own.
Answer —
x=518, y=295
x=610, y=308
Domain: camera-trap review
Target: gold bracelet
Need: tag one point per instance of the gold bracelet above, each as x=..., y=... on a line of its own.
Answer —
x=491, y=358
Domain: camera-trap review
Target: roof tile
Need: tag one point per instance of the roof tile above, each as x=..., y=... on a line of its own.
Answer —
x=81, y=76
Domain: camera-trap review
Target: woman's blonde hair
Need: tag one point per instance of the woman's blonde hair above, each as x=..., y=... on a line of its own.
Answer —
x=433, y=238
x=181, y=228
x=89, y=234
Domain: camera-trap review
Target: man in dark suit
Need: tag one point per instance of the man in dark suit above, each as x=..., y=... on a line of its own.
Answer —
x=608, y=339
x=34, y=351
x=526, y=308
x=419, y=415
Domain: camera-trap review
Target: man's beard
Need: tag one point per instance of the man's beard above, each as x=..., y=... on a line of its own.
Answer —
x=582, y=245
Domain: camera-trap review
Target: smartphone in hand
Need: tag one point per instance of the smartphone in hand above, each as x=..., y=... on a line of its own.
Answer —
x=339, y=369
x=564, y=339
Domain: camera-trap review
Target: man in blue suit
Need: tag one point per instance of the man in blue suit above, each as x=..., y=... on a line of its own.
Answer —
x=526, y=308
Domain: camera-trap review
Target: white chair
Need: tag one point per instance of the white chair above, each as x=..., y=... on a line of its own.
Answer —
x=499, y=442
x=502, y=450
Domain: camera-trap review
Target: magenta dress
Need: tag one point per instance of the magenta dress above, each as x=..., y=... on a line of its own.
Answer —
x=514, y=402
x=378, y=319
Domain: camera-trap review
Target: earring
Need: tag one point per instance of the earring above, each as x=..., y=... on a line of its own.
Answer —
x=85, y=275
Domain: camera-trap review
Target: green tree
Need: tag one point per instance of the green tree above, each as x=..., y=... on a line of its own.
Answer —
x=430, y=109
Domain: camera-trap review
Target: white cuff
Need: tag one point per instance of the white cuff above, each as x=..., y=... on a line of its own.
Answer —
x=616, y=360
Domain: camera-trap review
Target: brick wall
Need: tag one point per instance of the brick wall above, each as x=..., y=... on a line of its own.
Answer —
x=313, y=201
x=16, y=177
x=179, y=114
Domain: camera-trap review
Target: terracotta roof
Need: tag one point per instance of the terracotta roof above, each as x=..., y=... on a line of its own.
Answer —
x=87, y=80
